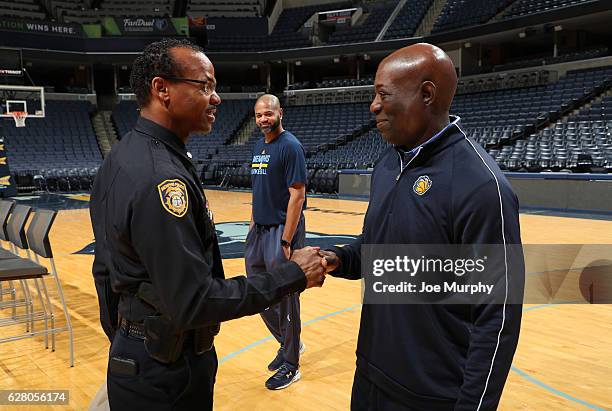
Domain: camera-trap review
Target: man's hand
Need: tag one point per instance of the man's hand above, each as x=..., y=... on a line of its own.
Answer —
x=331, y=260
x=287, y=251
x=312, y=264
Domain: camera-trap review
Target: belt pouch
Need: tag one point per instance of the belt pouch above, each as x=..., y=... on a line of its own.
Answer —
x=163, y=341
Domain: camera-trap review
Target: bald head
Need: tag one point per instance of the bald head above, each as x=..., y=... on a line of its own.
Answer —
x=423, y=62
x=268, y=116
x=414, y=88
x=270, y=100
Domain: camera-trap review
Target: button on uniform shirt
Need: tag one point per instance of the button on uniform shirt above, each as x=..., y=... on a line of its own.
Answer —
x=152, y=223
x=276, y=166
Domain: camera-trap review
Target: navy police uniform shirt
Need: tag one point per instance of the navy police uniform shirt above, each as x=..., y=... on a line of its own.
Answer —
x=276, y=166
x=152, y=224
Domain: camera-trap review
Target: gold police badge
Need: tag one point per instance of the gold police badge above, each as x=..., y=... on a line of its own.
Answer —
x=173, y=195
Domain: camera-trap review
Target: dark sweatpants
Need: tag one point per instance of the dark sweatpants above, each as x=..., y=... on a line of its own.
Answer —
x=264, y=252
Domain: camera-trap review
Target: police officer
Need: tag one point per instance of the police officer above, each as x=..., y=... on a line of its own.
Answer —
x=157, y=267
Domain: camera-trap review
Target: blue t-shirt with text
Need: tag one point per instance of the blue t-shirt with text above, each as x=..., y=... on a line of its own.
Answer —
x=276, y=166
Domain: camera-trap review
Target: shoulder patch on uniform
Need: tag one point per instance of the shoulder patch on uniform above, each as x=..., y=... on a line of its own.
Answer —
x=173, y=196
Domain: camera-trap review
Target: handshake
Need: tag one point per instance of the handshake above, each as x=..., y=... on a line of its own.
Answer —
x=315, y=264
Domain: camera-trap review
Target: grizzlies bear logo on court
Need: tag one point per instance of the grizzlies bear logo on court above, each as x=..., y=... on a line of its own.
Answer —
x=232, y=239
x=421, y=185
x=173, y=196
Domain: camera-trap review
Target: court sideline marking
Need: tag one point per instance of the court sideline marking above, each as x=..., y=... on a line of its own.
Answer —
x=518, y=371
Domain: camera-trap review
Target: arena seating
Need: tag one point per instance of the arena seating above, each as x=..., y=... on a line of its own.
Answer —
x=316, y=126
x=60, y=148
x=29, y=9
x=503, y=81
x=495, y=81
x=313, y=125
x=525, y=7
x=74, y=11
x=342, y=82
x=359, y=153
x=124, y=116
x=300, y=85
x=520, y=136
x=455, y=14
x=230, y=116
x=546, y=59
x=378, y=14
x=568, y=146
x=492, y=82
x=586, y=135
x=493, y=117
x=463, y=13
x=285, y=35
x=321, y=180
x=231, y=8
x=408, y=19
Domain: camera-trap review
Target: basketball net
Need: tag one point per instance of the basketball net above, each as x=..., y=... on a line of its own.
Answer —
x=19, y=117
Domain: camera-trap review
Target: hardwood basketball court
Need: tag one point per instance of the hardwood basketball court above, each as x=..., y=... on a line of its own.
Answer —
x=563, y=362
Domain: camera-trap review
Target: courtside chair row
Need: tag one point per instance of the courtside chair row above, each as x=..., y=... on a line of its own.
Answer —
x=20, y=266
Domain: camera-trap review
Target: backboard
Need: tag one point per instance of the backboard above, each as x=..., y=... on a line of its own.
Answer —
x=29, y=99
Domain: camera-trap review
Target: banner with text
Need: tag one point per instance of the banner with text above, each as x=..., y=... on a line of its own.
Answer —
x=146, y=26
x=41, y=27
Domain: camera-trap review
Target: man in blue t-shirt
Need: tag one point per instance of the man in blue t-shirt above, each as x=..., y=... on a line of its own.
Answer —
x=278, y=172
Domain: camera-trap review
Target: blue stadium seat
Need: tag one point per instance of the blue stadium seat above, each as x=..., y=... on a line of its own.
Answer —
x=64, y=139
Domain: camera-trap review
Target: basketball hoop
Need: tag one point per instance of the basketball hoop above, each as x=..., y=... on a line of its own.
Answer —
x=19, y=117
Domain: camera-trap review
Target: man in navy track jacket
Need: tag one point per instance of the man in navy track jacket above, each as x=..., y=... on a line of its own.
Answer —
x=433, y=186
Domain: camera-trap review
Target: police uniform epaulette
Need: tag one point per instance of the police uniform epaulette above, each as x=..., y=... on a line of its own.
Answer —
x=159, y=151
x=166, y=163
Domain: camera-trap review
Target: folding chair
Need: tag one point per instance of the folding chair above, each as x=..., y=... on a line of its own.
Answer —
x=38, y=241
x=15, y=268
x=5, y=210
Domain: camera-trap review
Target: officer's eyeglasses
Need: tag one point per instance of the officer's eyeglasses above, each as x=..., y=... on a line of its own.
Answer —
x=208, y=87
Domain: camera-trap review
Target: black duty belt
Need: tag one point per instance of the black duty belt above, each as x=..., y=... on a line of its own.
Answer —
x=132, y=329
